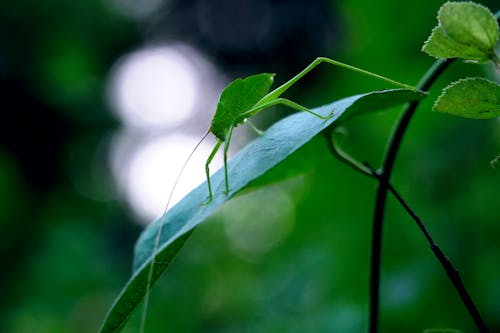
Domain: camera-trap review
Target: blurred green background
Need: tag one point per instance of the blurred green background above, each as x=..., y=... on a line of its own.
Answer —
x=68, y=221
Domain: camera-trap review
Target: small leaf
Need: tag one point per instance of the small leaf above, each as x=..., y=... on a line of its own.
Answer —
x=439, y=45
x=466, y=30
x=476, y=98
x=470, y=24
x=256, y=159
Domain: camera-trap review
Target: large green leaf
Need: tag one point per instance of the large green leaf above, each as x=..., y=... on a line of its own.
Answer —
x=276, y=144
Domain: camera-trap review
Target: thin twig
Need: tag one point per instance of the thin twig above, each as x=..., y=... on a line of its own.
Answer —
x=343, y=156
x=450, y=270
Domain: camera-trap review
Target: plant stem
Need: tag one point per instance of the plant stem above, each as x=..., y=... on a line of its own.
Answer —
x=343, y=156
x=451, y=271
x=383, y=186
x=394, y=143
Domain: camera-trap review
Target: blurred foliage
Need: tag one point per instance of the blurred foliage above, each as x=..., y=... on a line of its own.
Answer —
x=66, y=240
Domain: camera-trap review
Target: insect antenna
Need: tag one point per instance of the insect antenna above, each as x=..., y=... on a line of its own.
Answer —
x=158, y=235
x=182, y=169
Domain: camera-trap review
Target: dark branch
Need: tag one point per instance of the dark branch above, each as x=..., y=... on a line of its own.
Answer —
x=450, y=270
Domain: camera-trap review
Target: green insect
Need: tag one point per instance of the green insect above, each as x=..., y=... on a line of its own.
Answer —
x=243, y=98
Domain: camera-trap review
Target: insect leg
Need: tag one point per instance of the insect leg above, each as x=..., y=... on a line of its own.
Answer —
x=288, y=103
x=252, y=126
x=207, y=170
x=285, y=86
x=299, y=107
x=226, y=147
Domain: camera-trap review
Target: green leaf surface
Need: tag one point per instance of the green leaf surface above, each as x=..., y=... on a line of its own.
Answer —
x=476, y=98
x=441, y=46
x=470, y=24
x=276, y=144
x=466, y=30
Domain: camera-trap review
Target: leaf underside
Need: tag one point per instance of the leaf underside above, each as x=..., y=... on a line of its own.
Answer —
x=276, y=144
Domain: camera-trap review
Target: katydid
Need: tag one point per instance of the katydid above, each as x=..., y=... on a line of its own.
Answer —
x=243, y=98
x=240, y=100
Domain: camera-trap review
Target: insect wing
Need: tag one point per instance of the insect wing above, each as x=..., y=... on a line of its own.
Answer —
x=238, y=97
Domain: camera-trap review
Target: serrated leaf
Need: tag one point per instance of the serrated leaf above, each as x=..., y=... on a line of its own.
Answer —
x=466, y=30
x=276, y=144
x=470, y=24
x=475, y=98
x=439, y=45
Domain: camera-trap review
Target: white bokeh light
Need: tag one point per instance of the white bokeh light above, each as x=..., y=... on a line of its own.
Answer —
x=147, y=172
x=272, y=212
x=155, y=87
x=156, y=94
